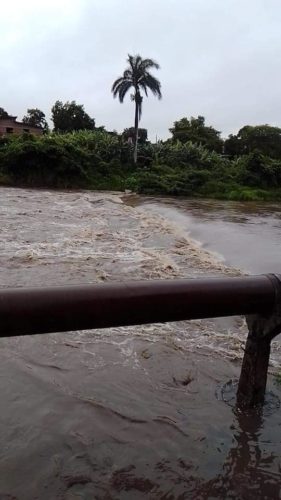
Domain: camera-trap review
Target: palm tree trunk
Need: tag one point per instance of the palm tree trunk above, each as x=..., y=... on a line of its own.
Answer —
x=136, y=131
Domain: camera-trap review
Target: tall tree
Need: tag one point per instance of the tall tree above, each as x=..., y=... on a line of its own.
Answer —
x=36, y=118
x=70, y=116
x=3, y=113
x=195, y=130
x=138, y=77
x=263, y=138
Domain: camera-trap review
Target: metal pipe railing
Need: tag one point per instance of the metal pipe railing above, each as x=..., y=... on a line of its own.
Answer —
x=26, y=311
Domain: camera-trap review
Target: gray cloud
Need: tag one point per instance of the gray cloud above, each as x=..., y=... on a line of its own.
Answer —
x=219, y=58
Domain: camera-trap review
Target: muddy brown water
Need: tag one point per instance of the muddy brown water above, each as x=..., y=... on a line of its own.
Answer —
x=137, y=412
x=243, y=234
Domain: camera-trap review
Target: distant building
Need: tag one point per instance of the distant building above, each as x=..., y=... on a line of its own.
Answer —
x=10, y=125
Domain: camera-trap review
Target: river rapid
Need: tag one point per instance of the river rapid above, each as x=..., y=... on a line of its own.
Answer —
x=135, y=412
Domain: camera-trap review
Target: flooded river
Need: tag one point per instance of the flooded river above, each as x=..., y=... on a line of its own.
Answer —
x=135, y=412
x=245, y=235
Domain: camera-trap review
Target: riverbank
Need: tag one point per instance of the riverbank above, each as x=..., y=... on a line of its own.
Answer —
x=101, y=161
x=126, y=182
x=124, y=412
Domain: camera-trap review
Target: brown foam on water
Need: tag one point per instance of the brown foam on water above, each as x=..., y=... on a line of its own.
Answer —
x=123, y=412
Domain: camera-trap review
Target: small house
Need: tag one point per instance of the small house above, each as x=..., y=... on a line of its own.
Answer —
x=10, y=125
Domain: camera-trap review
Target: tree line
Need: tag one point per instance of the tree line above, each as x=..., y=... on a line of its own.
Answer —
x=195, y=161
x=100, y=160
x=70, y=117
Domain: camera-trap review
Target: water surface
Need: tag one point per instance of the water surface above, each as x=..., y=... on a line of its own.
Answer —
x=133, y=412
x=242, y=234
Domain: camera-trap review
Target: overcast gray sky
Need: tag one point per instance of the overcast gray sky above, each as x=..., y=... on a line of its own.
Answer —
x=218, y=58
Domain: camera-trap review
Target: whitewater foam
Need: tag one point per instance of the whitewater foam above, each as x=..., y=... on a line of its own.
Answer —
x=63, y=238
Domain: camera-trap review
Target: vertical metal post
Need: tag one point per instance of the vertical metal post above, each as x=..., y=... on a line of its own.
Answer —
x=262, y=329
x=253, y=377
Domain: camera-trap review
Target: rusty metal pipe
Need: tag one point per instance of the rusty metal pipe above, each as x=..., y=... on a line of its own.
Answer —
x=26, y=311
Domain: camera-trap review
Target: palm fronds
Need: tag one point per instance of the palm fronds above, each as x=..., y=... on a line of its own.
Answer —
x=138, y=77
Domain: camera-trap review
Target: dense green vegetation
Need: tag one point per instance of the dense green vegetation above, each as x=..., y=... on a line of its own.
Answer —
x=195, y=130
x=36, y=118
x=129, y=134
x=101, y=160
x=95, y=160
x=70, y=116
x=262, y=138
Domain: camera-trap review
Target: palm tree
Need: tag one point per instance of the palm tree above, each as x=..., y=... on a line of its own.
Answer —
x=137, y=76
